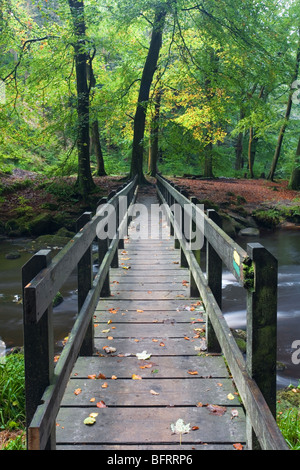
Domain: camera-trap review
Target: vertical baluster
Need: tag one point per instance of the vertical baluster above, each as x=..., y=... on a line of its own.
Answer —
x=85, y=280
x=261, y=352
x=214, y=280
x=38, y=343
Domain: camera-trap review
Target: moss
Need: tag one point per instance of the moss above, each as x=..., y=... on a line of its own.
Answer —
x=267, y=218
x=209, y=204
x=58, y=299
x=248, y=274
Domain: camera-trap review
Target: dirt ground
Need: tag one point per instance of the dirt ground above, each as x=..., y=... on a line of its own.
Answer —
x=256, y=192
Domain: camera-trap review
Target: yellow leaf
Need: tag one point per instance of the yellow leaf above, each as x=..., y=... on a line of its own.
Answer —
x=136, y=377
x=230, y=396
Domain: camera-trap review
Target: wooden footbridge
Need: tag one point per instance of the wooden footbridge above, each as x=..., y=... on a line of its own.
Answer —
x=150, y=363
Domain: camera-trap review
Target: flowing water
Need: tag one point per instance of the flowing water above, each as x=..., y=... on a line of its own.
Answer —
x=283, y=244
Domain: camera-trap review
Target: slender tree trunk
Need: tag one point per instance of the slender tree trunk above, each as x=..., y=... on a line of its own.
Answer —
x=96, y=148
x=286, y=120
x=251, y=151
x=208, y=163
x=84, y=178
x=147, y=77
x=154, y=130
x=95, y=144
x=239, y=163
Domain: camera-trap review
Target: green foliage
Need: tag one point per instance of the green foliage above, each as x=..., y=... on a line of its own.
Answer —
x=12, y=392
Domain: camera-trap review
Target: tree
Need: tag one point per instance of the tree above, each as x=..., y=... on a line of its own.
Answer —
x=146, y=80
x=286, y=119
x=85, y=181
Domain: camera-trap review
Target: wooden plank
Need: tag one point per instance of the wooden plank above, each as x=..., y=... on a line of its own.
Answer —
x=153, y=295
x=162, y=366
x=167, y=346
x=167, y=304
x=137, y=393
x=148, y=425
x=141, y=447
x=148, y=316
x=148, y=330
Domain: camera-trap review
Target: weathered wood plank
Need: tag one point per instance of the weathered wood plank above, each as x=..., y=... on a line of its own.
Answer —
x=162, y=366
x=169, y=392
x=165, y=347
x=148, y=425
x=148, y=330
x=167, y=304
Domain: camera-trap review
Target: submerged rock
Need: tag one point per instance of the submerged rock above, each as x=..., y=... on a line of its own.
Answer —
x=250, y=231
x=13, y=255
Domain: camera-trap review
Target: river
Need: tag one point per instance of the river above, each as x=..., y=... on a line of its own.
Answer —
x=283, y=244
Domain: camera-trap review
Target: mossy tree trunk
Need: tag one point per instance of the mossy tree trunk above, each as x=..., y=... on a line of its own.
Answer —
x=84, y=177
x=294, y=182
x=141, y=110
x=154, y=131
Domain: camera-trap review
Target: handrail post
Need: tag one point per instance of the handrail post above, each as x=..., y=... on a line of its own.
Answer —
x=85, y=280
x=214, y=281
x=38, y=344
x=183, y=260
x=115, y=261
x=102, y=250
x=194, y=291
x=261, y=354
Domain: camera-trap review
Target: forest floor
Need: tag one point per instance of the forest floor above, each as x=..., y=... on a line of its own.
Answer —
x=253, y=193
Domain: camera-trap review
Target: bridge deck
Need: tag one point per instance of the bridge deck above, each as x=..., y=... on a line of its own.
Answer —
x=150, y=310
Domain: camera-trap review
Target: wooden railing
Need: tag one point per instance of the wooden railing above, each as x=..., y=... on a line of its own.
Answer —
x=256, y=270
x=42, y=279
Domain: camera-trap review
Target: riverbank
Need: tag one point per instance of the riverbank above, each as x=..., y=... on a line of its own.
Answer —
x=32, y=205
x=251, y=204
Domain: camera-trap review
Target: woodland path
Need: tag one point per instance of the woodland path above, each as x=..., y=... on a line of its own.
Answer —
x=150, y=310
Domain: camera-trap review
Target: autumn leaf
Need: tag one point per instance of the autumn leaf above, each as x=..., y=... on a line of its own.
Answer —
x=92, y=400
x=153, y=392
x=238, y=446
x=216, y=409
x=230, y=396
x=114, y=377
x=105, y=385
x=91, y=376
x=192, y=372
x=101, y=404
x=101, y=376
x=179, y=427
x=143, y=356
x=77, y=391
x=140, y=311
x=195, y=428
x=136, y=377
x=89, y=421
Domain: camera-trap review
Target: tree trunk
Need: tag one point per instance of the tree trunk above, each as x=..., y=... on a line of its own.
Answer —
x=153, y=149
x=251, y=151
x=95, y=144
x=140, y=115
x=208, y=163
x=294, y=182
x=286, y=120
x=84, y=178
x=239, y=162
x=96, y=148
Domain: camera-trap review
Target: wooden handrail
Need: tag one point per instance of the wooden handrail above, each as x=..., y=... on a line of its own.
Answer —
x=250, y=376
x=45, y=389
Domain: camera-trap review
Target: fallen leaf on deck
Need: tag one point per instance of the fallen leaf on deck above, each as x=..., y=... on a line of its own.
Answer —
x=91, y=376
x=109, y=349
x=89, y=421
x=140, y=311
x=101, y=404
x=234, y=414
x=230, y=396
x=179, y=427
x=77, y=391
x=114, y=377
x=153, y=392
x=101, y=376
x=162, y=344
x=106, y=331
x=105, y=385
x=136, y=377
x=92, y=400
x=216, y=409
x=192, y=372
x=195, y=428
x=238, y=446
x=143, y=356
